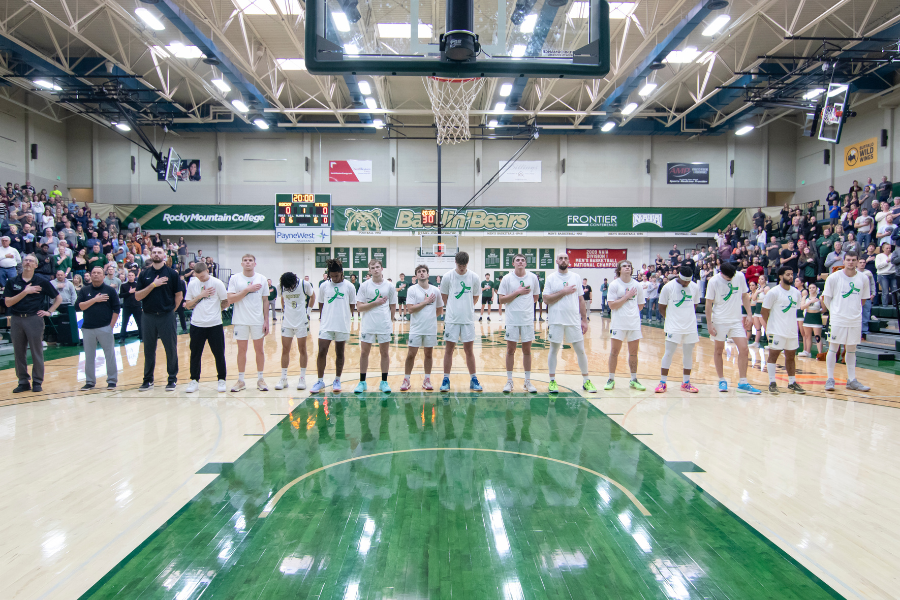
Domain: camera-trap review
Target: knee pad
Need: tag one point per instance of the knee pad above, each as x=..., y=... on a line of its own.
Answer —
x=818, y=338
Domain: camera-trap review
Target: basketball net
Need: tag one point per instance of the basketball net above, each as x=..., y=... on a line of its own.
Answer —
x=832, y=115
x=451, y=100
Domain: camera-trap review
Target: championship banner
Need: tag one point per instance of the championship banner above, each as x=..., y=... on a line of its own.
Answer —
x=595, y=259
x=354, y=171
x=521, y=171
x=860, y=155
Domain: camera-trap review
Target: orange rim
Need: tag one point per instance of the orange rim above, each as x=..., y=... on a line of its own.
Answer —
x=449, y=80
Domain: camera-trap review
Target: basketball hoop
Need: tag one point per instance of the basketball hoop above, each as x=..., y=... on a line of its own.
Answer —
x=832, y=115
x=451, y=101
x=439, y=249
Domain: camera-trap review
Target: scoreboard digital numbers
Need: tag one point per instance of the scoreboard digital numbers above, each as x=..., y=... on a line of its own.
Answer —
x=303, y=218
x=429, y=217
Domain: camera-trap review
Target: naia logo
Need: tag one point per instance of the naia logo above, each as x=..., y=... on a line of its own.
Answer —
x=652, y=218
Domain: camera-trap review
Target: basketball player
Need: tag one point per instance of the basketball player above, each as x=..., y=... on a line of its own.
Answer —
x=457, y=293
x=845, y=293
x=519, y=291
x=249, y=292
x=206, y=298
x=487, y=296
x=297, y=298
x=677, y=304
x=779, y=314
x=626, y=301
x=726, y=293
x=337, y=302
x=376, y=302
x=425, y=306
x=401, y=296
x=566, y=320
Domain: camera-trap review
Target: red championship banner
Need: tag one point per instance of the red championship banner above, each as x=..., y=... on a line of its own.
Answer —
x=355, y=171
x=595, y=259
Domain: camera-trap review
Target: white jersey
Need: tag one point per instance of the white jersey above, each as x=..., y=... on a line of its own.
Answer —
x=460, y=290
x=727, y=298
x=520, y=312
x=335, y=299
x=627, y=316
x=207, y=312
x=423, y=322
x=378, y=319
x=782, y=305
x=845, y=295
x=681, y=314
x=566, y=310
x=249, y=309
x=295, y=303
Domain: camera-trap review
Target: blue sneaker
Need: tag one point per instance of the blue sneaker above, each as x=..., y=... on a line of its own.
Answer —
x=360, y=387
x=384, y=387
x=317, y=387
x=723, y=386
x=747, y=389
x=445, y=384
x=474, y=385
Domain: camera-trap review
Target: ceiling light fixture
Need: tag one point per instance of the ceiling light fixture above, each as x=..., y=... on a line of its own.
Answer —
x=505, y=89
x=717, y=24
x=222, y=85
x=744, y=130
x=812, y=94
x=122, y=127
x=149, y=19
x=608, y=126
x=371, y=103
x=260, y=123
x=629, y=108
x=240, y=106
x=500, y=107
x=647, y=90
x=492, y=123
x=365, y=88
x=47, y=85
x=340, y=21
x=378, y=123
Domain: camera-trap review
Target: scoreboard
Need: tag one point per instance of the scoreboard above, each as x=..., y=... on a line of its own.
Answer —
x=303, y=218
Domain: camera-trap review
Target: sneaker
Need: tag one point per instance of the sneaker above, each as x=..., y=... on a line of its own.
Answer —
x=541, y=319
x=317, y=387
x=404, y=387
x=222, y=386
x=747, y=389
x=489, y=319
x=661, y=387
x=261, y=385
x=589, y=387
x=753, y=345
x=110, y=386
x=829, y=385
x=687, y=387
x=361, y=387
x=610, y=384
x=773, y=388
x=529, y=387
x=795, y=387
x=474, y=385
x=723, y=386
x=479, y=319
x=336, y=385
x=851, y=385
x=170, y=387
x=239, y=385
x=426, y=385
x=301, y=383
x=282, y=384
x=87, y=386
x=554, y=387
x=37, y=388
x=384, y=387
x=445, y=384
x=804, y=354
x=508, y=387
x=192, y=387
x=146, y=386
x=635, y=384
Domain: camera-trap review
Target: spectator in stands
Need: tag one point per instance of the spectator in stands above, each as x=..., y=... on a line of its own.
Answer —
x=825, y=243
x=66, y=290
x=111, y=276
x=55, y=193
x=47, y=219
x=134, y=226
x=759, y=218
x=855, y=188
x=808, y=266
x=113, y=224
x=50, y=239
x=790, y=256
x=754, y=270
x=886, y=271
x=869, y=259
x=131, y=306
x=886, y=229
x=182, y=250
x=10, y=259
x=835, y=258
x=864, y=227
x=45, y=261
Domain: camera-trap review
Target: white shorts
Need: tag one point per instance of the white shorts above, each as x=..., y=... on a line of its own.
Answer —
x=520, y=333
x=732, y=330
x=422, y=341
x=295, y=332
x=459, y=332
x=334, y=336
x=780, y=342
x=375, y=338
x=248, y=332
x=626, y=335
x=683, y=338
x=849, y=336
x=569, y=333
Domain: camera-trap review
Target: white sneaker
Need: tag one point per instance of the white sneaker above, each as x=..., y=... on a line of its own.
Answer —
x=239, y=385
x=530, y=388
x=301, y=383
x=261, y=385
x=508, y=387
x=223, y=386
x=804, y=354
x=282, y=384
x=192, y=387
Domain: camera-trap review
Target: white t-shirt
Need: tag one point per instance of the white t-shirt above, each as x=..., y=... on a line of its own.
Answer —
x=207, y=312
x=378, y=319
x=460, y=290
x=335, y=299
x=248, y=310
x=845, y=295
x=726, y=296
x=782, y=305
x=566, y=310
x=627, y=316
x=423, y=322
x=295, y=303
x=681, y=314
x=520, y=312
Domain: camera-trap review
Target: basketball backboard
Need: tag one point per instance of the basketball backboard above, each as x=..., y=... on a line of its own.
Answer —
x=516, y=38
x=832, y=118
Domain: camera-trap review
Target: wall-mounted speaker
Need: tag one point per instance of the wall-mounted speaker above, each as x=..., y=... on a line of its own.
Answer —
x=393, y=165
x=827, y=155
x=563, y=166
x=34, y=152
x=220, y=164
x=306, y=163
x=478, y=165
x=884, y=138
x=648, y=166
x=133, y=165
x=731, y=168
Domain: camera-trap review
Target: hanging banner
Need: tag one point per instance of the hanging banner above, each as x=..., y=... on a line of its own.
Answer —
x=380, y=254
x=508, y=255
x=343, y=255
x=360, y=258
x=681, y=173
x=352, y=171
x=547, y=258
x=323, y=253
x=521, y=171
x=595, y=259
x=492, y=258
x=530, y=257
x=860, y=155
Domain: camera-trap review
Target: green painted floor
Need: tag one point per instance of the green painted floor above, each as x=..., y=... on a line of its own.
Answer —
x=454, y=496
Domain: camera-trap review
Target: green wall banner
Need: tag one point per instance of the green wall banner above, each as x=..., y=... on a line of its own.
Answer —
x=530, y=257
x=343, y=255
x=492, y=258
x=508, y=255
x=361, y=258
x=323, y=253
x=380, y=254
x=547, y=258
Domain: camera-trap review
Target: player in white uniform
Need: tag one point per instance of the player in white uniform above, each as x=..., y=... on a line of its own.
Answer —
x=779, y=312
x=725, y=294
x=845, y=293
x=677, y=303
x=297, y=297
x=519, y=291
x=425, y=306
x=249, y=292
x=206, y=298
x=337, y=301
x=376, y=301
x=626, y=301
x=458, y=293
x=566, y=320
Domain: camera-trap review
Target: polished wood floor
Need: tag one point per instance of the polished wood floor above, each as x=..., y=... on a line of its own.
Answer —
x=89, y=477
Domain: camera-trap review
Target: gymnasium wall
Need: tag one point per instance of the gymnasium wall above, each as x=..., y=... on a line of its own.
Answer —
x=19, y=129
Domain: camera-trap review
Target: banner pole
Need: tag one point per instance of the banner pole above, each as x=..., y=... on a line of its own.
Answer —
x=439, y=194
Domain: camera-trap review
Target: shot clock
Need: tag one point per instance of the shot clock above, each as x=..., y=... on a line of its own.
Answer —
x=303, y=218
x=429, y=217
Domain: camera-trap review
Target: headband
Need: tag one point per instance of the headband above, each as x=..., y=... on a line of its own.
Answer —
x=683, y=278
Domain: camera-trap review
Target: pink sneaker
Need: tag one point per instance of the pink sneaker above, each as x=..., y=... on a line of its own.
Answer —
x=660, y=388
x=404, y=387
x=687, y=387
x=426, y=385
